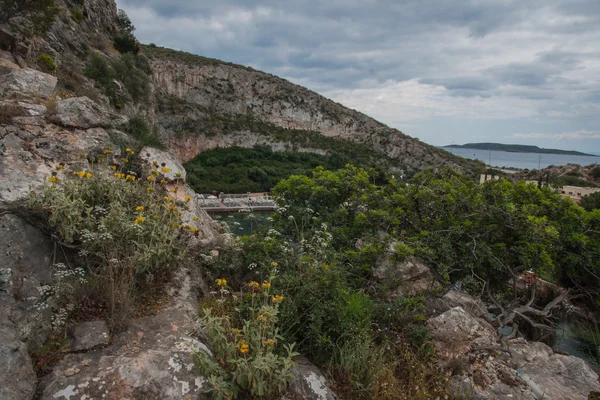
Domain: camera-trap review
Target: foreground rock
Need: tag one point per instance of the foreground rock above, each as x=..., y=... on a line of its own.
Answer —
x=88, y=335
x=27, y=81
x=17, y=378
x=151, y=360
x=483, y=368
x=164, y=159
x=309, y=383
x=409, y=276
x=84, y=113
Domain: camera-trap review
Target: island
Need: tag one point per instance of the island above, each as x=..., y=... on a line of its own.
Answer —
x=516, y=148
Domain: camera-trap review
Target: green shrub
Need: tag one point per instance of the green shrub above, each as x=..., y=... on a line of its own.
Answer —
x=47, y=63
x=127, y=235
x=591, y=201
x=126, y=43
x=77, y=14
x=139, y=128
x=250, y=357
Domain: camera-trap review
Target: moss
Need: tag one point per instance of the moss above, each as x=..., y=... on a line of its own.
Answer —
x=47, y=63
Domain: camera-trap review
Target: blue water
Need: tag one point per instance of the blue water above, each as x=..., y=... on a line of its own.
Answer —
x=522, y=160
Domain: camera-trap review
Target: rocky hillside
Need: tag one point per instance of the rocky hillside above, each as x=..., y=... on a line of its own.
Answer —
x=204, y=88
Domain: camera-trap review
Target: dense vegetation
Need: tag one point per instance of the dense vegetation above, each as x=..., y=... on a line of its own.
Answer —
x=259, y=169
x=516, y=148
x=334, y=228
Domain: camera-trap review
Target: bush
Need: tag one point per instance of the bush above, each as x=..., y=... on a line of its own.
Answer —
x=126, y=43
x=247, y=360
x=47, y=63
x=591, y=201
x=142, y=132
x=128, y=236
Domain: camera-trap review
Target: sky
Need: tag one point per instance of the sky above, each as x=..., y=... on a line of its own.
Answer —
x=445, y=71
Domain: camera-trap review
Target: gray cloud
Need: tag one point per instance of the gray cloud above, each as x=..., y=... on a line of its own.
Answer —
x=508, y=59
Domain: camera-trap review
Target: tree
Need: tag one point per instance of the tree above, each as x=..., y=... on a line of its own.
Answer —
x=124, y=23
x=39, y=13
x=591, y=201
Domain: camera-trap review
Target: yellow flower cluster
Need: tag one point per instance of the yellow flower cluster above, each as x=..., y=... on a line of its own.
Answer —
x=163, y=182
x=187, y=198
x=151, y=178
x=82, y=174
x=192, y=229
x=149, y=189
x=165, y=169
x=130, y=178
x=243, y=346
x=154, y=172
x=169, y=199
x=221, y=282
x=113, y=167
x=266, y=285
x=269, y=342
x=274, y=264
x=195, y=218
x=253, y=284
x=139, y=220
x=60, y=166
x=277, y=299
x=53, y=179
x=124, y=160
x=119, y=175
x=139, y=208
x=108, y=151
x=154, y=162
x=129, y=151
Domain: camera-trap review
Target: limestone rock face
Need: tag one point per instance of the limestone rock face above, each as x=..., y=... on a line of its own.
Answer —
x=88, y=335
x=309, y=383
x=467, y=302
x=84, y=113
x=151, y=360
x=176, y=171
x=28, y=81
x=17, y=378
x=409, y=276
x=7, y=66
x=522, y=371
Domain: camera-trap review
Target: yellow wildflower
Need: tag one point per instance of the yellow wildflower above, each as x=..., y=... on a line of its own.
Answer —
x=195, y=218
x=277, y=299
x=172, y=208
x=149, y=189
x=243, y=346
x=151, y=178
x=169, y=199
x=154, y=162
x=269, y=342
x=165, y=169
x=128, y=151
x=221, y=282
x=253, y=284
x=60, y=166
x=125, y=160
x=88, y=175
x=108, y=150
x=81, y=174
x=130, y=178
x=187, y=198
x=261, y=318
x=163, y=182
x=139, y=208
x=175, y=189
x=266, y=285
x=154, y=172
x=119, y=175
x=81, y=155
x=113, y=167
x=139, y=220
x=53, y=179
x=274, y=264
x=236, y=331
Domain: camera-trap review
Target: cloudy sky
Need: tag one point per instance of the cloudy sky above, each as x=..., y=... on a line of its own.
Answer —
x=441, y=70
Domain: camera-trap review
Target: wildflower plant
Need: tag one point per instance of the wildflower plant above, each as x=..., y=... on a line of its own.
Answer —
x=250, y=356
x=126, y=235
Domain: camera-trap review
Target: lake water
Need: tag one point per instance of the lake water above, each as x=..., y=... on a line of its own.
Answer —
x=244, y=223
x=522, y=160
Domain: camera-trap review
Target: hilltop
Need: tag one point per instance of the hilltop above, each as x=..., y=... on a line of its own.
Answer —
x=516, y=148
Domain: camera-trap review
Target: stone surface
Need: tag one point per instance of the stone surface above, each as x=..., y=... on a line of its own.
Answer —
x=309, y=383
x=28, y=81
x=151, y=360
x=405, y=277
x=467, y=302
x=6, y=66
x=26, y=257
x=84, y=113
x=150, y=154
x=17, y=378
x=88, y=335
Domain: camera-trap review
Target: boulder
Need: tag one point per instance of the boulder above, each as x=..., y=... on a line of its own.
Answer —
x=28, y=81
x=467, y=302
x=84, y=113
x=176, y=172
x=6, y=66
x=17, y=378
x=88, y=335
x=406, y=277
x=557, y=376
x=309, y=383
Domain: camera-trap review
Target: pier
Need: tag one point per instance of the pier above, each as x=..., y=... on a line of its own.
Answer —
x=247, y=202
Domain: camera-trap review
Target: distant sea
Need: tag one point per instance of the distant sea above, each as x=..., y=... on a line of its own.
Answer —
x=521, y=160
